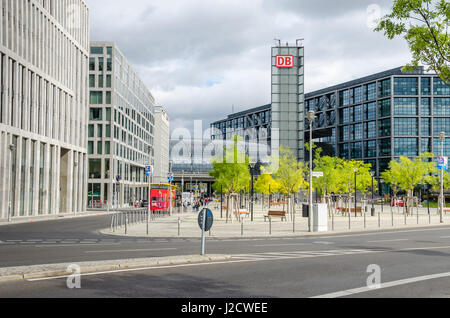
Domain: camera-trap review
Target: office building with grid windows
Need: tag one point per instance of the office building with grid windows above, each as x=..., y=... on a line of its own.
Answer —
x=381, y=117
x=43, y=107
x=120, y=130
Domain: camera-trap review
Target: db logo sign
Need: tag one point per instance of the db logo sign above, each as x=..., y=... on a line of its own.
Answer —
x=286, y=61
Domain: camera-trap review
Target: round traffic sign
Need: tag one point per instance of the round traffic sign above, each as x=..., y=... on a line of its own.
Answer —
x=209, y=219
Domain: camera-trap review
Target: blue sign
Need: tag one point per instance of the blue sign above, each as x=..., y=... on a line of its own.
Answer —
x=442, y=163
x=149, y=171
x=170, y=177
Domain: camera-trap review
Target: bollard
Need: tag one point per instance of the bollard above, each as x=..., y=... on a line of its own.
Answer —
x=179, y=224
x=364, y=219
x=429, y=218
x=112, y=222
x=126, y=221
x=405, y=217
x=148, y=216
x=379, y=219
x=242, y=227
x=349, y=220
x=392, y=217
x=332, y=221
x=417, y=216
x=270, y=225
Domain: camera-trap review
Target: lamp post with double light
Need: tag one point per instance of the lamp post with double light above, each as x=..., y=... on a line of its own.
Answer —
x=311, y=116
x=372, y=211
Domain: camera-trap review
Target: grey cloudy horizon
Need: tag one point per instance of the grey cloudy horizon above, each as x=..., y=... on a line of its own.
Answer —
x=200, y=57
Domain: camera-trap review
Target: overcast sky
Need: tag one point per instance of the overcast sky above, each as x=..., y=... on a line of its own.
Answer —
x=201, y=57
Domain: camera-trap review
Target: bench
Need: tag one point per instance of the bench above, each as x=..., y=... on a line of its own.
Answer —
x=241, y=212
x=446, y=210
x=351, y=210
x=281, y=214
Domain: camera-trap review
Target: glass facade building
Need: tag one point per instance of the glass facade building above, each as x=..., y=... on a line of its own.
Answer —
x=120, y=130
x=381, y=117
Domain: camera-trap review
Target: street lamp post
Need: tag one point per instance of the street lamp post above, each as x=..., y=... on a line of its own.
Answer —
x=372, y=212
x=310, y=116
x=442, y=137
x=252, y=171
x=356, y=170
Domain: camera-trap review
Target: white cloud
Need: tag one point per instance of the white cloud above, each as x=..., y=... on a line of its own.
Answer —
x=200, y=57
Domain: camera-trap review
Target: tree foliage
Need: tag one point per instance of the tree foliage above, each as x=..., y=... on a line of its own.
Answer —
x=424, y=25
x=231, y=172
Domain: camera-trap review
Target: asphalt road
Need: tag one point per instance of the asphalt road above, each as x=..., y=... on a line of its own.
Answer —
x=333, y=265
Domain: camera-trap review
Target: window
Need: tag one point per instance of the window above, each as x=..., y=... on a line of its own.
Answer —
x=90, y=147
x=384, y=127
x=356, y=150
x=96, y=50
x=343, y=150
x=108, y=114
x=109, y=50
x=108, y=98
x=405, y=86
x=92, y=64
x=384, y=147
x=99, y=148
x=370, y=148
x=425, y=84
x=96, y=98
x=91, y=80
x=441, y=124
x=371, y=91
x=405, y=106
x=425, y=106
x=439, y=87
x=441, y=106
x=425, y=128
x=95, y=114
x=406, y=147
x=108, y=131
x=109, y=64
x=384, y=88
x=100, y=64
x=370, y=110
x=91, y=131
x=107, y=147
x=370, y=129
x=357, y=113
x=95, y=168
x=358, y=131
x=108, y=81
x=358, y=95
x=100, y=81
x=100, y=130
x=425, y=145
x=384, y=107
x=405, y=126
x=437, y=146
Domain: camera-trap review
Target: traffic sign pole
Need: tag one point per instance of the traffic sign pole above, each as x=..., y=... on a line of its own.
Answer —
x=203, y=232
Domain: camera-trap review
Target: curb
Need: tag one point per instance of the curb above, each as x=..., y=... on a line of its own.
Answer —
x=86, y=267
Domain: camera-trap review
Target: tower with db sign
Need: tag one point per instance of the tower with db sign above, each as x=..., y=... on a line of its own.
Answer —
x=288, y=99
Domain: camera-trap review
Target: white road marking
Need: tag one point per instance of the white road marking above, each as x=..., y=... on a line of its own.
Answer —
x=136, y=250
x=65, y=245
x=286, y=244
x=381, y=233
x=383, y=285
x=250, y=258
x=444, y=237
x=395, y=240
x=325, y=243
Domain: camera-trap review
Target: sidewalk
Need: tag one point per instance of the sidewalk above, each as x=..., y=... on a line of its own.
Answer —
x=189, y=228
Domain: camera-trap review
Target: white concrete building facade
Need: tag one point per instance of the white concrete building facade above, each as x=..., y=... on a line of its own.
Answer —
x=120, y=130
x=43, y=107
x=162, y=143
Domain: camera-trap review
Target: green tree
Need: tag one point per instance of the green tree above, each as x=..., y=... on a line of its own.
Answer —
x=230, y=172
x=424, y=25
x=409, y=173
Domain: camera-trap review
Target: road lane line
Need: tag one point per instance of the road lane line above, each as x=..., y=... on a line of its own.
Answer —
x=65, y=245
x=395, y=240
x=359, y=290
x=246, y=258
x=380, y=233
x=135, y=250
x=286, y=244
